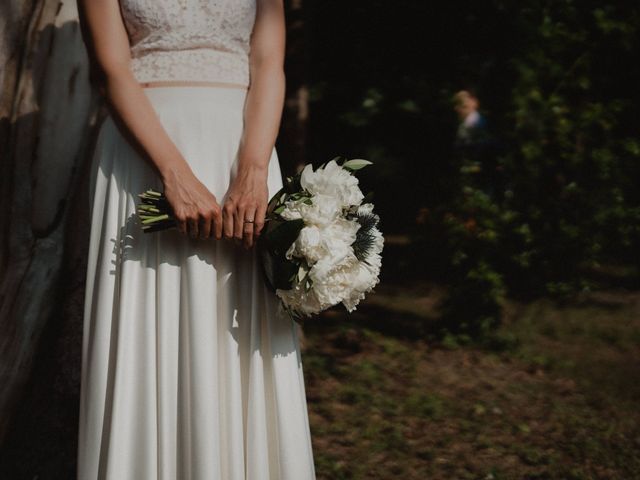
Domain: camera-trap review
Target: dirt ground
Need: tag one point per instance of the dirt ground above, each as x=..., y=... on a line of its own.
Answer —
x=555, y=395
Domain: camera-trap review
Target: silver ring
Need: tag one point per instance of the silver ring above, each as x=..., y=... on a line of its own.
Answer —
x=248, y=221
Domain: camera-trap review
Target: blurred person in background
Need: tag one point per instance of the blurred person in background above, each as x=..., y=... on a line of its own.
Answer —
x=475, y=146
x=472, y=128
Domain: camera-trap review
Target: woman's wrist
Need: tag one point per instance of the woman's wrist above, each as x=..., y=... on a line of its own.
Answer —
x=252, y=168
x=172, y=169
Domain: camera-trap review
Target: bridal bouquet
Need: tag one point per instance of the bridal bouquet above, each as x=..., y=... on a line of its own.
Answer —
x=320, y=246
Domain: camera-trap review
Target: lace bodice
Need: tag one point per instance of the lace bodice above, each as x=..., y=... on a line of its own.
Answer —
x=203, y=40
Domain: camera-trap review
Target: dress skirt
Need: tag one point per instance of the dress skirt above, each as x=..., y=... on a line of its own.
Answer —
x=190, y=371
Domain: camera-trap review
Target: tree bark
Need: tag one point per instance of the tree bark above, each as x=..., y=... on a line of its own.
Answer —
x=47, y=116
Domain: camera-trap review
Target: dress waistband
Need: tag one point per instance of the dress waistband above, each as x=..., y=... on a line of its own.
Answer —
x=191, y=83
x=197, y=65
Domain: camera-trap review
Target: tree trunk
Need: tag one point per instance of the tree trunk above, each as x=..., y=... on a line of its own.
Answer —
x=47, y=115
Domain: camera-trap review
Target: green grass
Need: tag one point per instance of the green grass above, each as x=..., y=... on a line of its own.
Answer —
x=552, y=395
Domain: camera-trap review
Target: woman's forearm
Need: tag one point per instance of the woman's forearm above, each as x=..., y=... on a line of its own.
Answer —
x=246, y=201
x=265, y=98
x=128, y=100
x=193, y=205
x=262, y=116
x=106, y=37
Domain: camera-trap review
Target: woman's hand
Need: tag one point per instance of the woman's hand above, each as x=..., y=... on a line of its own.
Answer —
x=194, y=206
x=245, y=207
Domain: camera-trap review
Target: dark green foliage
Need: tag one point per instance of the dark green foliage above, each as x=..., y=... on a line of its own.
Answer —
x=279, y=235
x=573, y=168
x=558, y=84
x=472, y=225
x=364, y=238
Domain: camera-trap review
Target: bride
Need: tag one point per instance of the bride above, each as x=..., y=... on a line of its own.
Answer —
x=189, y=369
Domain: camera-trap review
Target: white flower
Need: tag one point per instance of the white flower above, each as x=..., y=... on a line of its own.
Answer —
x=336, y=274
x=365, y=208
x=322, y=211
x=333, y=181
x=300, y=301
x=338, y=237
x=362, y=281
x=330, y=242
x=309, y=244
x=344, y=282
x=332, y=280
x=292, y=210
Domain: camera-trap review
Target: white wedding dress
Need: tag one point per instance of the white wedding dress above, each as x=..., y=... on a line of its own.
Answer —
x=189, y=369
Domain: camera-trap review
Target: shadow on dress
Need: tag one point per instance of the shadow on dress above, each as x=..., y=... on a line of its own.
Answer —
x=130, y=244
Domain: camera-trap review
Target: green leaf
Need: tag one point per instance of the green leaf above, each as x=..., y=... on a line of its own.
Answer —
x=292, y=185
x=278, y=270
x=356, y=164
x=280, y=235
x=275, y=242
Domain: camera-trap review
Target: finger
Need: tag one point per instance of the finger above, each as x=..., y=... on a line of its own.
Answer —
x=217, y=223
x=193, y=227
x=205, y=227
x=247, y=237
x=181, y=224
x=238, y=227
x=227, y=220
x=261, y=213
x=249, y=228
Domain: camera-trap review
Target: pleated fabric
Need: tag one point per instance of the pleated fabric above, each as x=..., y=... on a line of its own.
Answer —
x=190, y=371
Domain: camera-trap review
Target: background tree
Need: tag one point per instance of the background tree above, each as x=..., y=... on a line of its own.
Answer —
x=46, y=114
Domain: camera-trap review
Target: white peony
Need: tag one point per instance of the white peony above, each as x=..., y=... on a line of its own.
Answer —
x=365, y=208
x=332, y=241
x=292, y=210
x=362, y=281
x=308, y=245
x=336, y=274
x=338, y=237
x=322, y=211
x=300, y=301
x=332, y=280
x=333, y=181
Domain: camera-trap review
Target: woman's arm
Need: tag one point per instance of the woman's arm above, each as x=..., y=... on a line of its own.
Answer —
x=247, y=196
x=191, y=201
